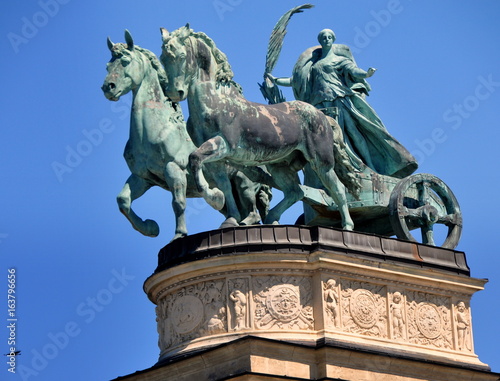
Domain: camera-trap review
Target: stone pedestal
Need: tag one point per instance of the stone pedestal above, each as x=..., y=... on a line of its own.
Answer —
x=297, y=302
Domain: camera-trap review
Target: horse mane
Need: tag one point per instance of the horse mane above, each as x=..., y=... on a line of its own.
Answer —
x=156, y=64
x=224, y=74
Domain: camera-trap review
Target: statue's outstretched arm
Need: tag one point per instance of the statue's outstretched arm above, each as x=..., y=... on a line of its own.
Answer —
x=360, y=73
x=283, y=81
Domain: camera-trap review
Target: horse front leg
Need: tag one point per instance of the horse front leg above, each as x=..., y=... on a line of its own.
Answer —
x=220, y=175
x=176, y=180
x=214, y=150
x=134, y=188
x=337, y=191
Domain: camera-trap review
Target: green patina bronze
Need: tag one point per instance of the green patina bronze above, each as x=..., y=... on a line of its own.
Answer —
x=158, y=149
x=227, y=127
x=327, y=77
x=232, y=151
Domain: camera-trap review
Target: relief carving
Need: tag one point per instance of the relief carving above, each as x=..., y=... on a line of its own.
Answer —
x=161, y=326
x=191, y=312
x=429, y=321
x=239, y=309
x=283, y=303
x=364, y=308
x=397, y=311
x=187, y=313
x=215, y=307
x=462, y=319
x=331, y=298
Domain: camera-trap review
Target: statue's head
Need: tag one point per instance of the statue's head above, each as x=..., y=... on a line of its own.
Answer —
x=331, y=283
x=326, y=32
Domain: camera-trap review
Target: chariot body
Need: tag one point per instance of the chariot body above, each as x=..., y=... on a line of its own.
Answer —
x=391, y=206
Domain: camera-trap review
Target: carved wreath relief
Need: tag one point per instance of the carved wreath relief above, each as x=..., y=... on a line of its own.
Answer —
x=191, y=312
x=283, y=303
x=429, y=320
x=364, y=308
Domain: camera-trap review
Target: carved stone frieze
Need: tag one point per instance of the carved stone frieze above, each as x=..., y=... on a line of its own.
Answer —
x=283, y=302
x=364, y=308
x=239, y=303
x=293, y=295
x=191, y=312
x=429, y=320
x=331, y=303
x=463, y=327
x=397, y=315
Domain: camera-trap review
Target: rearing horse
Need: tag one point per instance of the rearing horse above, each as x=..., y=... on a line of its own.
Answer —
x=159, y=146
x=284, y=137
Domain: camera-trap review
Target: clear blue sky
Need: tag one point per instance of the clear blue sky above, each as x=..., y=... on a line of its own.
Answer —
x=79, y=264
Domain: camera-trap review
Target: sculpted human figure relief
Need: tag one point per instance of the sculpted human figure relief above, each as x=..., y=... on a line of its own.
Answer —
x=462, y=319
x=331, y=298
x=398, y=315
x=239, y=299
x=327, y=77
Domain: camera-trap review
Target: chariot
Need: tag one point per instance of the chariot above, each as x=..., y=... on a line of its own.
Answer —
x=391, y=206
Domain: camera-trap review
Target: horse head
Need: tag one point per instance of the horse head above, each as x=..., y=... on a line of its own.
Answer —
x=125, y=69
x=177, y=59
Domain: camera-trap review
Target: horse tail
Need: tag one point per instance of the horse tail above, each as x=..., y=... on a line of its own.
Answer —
x=343, y=167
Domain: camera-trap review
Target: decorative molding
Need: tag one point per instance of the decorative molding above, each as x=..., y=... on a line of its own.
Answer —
x=306, y=240
x=344, y=296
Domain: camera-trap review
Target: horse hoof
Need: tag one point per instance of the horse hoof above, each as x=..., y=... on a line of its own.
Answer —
x=252, y=219
x=269, y=222
x=229, y=223
x=177, y=236
x=151, y=228
x=349, y=227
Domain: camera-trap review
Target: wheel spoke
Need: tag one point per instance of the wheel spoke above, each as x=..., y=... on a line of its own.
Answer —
x=420, y=201
x=423, y=193
x=428, y=235
x=450, y=220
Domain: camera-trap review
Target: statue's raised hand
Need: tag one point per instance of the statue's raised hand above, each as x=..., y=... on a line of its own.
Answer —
x=271, y=77
x=370, y=72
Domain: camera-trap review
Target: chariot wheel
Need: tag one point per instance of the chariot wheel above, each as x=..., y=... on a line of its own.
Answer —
x=419, y=202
